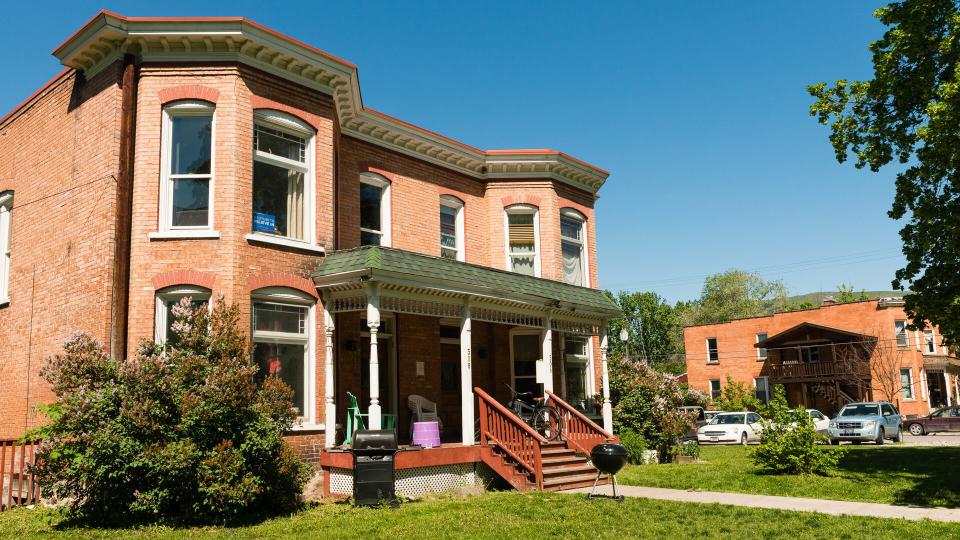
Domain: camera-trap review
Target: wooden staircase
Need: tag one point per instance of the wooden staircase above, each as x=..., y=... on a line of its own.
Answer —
x=526, y=460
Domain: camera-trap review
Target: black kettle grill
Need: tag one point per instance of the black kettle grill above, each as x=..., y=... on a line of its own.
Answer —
x=608, y=458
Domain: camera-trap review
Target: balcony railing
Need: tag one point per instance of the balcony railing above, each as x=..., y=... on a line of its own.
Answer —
x=816, y=370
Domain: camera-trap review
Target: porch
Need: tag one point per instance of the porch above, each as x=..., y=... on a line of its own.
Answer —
x=400, y=324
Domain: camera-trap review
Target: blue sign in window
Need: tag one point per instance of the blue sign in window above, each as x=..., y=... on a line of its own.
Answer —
x=264, y=222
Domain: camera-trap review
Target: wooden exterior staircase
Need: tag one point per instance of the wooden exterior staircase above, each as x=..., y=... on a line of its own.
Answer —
x=526, y=460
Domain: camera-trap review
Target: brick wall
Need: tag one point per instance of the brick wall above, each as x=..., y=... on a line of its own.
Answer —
x=59, y=155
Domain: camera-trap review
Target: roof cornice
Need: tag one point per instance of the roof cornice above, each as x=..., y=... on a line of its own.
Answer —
x=108, y=36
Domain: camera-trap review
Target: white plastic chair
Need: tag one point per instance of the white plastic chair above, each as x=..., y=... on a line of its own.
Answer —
x=423, y=409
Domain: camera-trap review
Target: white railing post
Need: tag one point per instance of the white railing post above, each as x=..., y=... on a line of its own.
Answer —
x=330, y=412
x=607, y=407
x=373, y=323
x=545, y=369
x=466, y=377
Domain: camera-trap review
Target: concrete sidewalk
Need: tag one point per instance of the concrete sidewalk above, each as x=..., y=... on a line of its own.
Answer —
x=823, y=506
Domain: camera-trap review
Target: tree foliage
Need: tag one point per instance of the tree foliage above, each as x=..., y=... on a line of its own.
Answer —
x=790, y=443
x=908, y=115
x=178, y=434
x=736, y=294
x=735, y=397
x=654, y=327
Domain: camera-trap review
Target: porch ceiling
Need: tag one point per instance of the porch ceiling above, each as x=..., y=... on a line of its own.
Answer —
x=416, y=273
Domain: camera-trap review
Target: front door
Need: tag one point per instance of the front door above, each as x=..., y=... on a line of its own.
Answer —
x=450, y=390
x=525, y=349
x=935, y=389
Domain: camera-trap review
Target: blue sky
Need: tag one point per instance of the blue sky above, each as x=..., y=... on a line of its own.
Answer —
x=698, y=109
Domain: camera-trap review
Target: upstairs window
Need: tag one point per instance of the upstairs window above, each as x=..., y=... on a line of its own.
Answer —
x=187, y=167
x=713, y=353
x=451, y=228
x=900, y=329
x=761, y=352
x=929, y=342
x=282, y=176
x=810, y=355
x=6, y=215
x=523, y=240
x=572, y=243
x=374, y=210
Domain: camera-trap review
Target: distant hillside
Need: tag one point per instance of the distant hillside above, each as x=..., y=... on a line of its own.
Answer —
x=816, y=298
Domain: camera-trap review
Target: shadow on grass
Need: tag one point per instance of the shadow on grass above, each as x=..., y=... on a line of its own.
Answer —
x=932, y=472
x=62, y=520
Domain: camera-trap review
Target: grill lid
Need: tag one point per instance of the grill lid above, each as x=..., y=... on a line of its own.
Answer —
x=609, y=449
x=375, y=439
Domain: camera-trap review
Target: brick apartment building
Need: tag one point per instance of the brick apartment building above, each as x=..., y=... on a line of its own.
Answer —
x=828, y=356
x=204, y=157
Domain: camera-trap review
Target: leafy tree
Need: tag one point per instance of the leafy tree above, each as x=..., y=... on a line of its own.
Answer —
x=182, y=433
x=845, y=294
x=735, y=396
x=909, y=114
x=736, y=294
x=653, y=327
x=790, y=443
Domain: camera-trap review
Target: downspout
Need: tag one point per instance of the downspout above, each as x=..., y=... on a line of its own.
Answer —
x=124, y=210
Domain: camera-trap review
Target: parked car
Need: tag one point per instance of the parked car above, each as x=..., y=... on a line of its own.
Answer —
x=869, y=421
x=699, y=420
x=741, y=427
x=945, y=419
x=820, y=420
x=709, y=415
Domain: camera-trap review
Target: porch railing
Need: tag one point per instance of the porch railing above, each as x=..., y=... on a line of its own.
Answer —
x=580, y=433
x=818, y=370
x=18, y=486
x=501, y=428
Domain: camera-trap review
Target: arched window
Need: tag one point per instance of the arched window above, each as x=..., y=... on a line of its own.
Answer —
x=169, y=297
x=374, y=210
x=573, y=244
x=451, y=228
x=522, y=239
x=283, y=322
x=6, y=215
x=283, y=177
x=187, y=168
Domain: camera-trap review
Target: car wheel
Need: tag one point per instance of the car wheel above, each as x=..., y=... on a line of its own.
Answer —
x=834, y=442
x=916, y=429
x=880, y=437
x=898, y=437
x=743, y=439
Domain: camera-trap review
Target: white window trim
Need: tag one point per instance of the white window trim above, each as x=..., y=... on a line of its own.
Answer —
x=766, y=387
x=709, y=361
x=174, y=293
x=913, y=391
x=6, y=239
x=761, y=353
x=165, y=210
x=584, y=252
x=457, y=205
x=585, y=361
x=293, y=126
x=933, y=338
x=373, y=179
x=523, y=332
x=710, y=388
x=522, y=209
x=904, y=332
x=285, y=296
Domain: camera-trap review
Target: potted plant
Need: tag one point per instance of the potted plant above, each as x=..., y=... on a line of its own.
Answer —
x=688, y=452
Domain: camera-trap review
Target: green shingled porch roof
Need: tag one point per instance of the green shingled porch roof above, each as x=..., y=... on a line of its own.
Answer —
x=470, y=275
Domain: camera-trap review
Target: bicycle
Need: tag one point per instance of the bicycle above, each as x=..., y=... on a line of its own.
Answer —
x=543, y=418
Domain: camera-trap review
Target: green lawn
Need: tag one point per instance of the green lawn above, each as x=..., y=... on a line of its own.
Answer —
x=887, y=474
x=515, y=515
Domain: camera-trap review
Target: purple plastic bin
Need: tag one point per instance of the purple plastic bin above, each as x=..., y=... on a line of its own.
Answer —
x=426, y=434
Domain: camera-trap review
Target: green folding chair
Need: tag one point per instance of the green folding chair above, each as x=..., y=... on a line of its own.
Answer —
x=354, y=419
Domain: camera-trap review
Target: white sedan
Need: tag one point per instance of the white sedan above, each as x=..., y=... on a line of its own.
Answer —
x=742, y=428
x=820, y=420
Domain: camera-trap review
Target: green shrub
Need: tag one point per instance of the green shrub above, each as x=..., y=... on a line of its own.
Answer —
x=175, y=434
x=736, y=397
x=635, y=445
x=790, y=443
x=689, y=449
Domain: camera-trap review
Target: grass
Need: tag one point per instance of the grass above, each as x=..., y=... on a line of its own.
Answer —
x=920, y=476
x=513, y=515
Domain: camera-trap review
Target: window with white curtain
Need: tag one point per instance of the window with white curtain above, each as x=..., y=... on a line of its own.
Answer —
x=523, y=243
x=374, y=210
x=930, y=342
x=282, y=176
x=572, y=244
x=187, y=168
x=900, y=329
x=451, y=228
x=6, y=217
x=282, y=328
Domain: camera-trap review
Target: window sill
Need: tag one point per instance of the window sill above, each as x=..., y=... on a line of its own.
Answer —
x=306, y=426
x=284, y=242
x=713, y=363
x=185, y=234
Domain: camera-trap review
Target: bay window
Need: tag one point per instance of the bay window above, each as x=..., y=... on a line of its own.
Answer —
x=6, y=217
x=451, y=228
x=282, y=177
x=374, y=210
x=187, y=167
x=523, y=240
x=572, y=244
x=283, y=322
x=166, y=299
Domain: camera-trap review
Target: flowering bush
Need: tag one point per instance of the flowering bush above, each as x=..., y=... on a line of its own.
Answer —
x=178, y=434
x=790, y=443
x=647, y=402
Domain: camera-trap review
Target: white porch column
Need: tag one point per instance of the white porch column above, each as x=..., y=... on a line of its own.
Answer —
x=946, y=387
x=545, y=369
x=330, y=412
x=466, y=377
x=607, y=408
x=373, y=322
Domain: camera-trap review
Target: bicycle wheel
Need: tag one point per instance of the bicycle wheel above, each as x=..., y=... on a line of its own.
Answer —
x=547, y=422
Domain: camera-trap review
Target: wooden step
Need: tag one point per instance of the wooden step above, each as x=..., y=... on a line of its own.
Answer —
x=571, y=479
x=576, y=485
x=562, y=460
x=558, y=451
x=569, y=471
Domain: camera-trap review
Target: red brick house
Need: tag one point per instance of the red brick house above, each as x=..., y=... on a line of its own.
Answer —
x=203, y=157
x=828, y=356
